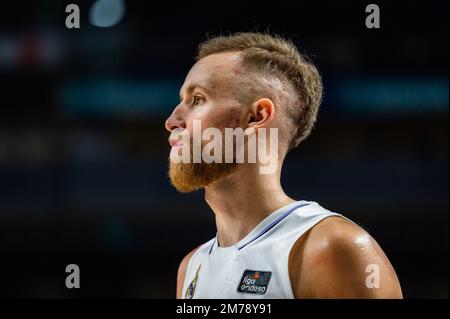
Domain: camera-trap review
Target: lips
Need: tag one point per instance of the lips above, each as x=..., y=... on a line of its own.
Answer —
x=175, y=143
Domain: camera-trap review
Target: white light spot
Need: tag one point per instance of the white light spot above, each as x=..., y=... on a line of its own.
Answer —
x=106, y=13
x=363, y=241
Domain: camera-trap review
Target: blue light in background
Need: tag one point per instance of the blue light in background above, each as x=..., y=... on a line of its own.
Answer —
x=121, y=97
x=106, y=13
x=401, y=95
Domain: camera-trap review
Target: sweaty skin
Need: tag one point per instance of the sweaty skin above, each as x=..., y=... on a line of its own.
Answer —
x=330, y=260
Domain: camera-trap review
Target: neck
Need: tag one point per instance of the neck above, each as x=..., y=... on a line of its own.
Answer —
x=242, y=200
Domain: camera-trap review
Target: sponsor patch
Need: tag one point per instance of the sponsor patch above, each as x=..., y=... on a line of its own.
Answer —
x=254, y=282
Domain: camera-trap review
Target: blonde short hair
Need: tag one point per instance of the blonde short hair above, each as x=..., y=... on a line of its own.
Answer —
x=271, y=55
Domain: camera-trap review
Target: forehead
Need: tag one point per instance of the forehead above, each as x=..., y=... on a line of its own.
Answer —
x=214, y=71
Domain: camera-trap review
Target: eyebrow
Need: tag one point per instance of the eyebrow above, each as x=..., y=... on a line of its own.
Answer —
x=192, y=87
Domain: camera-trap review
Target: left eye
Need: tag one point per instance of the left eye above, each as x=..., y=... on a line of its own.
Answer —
x=196, y=100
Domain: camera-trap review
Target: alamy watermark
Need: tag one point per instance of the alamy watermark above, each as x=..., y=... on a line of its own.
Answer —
x=226, y=146
x=73, y=279
x=373, y=19
x=373, y=279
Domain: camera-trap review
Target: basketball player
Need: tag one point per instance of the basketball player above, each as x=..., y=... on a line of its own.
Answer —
x=268, y=245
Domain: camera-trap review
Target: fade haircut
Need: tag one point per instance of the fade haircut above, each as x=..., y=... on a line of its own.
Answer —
x=272, y=57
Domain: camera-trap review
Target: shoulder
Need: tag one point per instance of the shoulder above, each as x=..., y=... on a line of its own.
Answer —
x=334, y=259
x=335, y=232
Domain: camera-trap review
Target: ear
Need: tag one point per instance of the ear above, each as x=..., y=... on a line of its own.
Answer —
x=261, y=113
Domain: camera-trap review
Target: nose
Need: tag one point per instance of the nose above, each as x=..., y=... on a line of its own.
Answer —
x=175, y=121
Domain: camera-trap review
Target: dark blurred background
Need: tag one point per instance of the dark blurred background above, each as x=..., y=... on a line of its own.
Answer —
x=83, y=149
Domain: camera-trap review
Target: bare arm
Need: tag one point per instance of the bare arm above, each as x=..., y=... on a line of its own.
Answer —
x=338, y=259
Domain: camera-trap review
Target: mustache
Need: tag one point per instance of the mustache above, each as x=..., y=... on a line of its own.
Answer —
x=177, y=133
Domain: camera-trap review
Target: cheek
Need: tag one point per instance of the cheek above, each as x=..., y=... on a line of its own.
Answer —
x=222, y=117
x=215, y=115
x=232, y=118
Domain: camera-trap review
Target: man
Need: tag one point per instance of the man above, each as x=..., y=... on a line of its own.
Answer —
x=268, y=245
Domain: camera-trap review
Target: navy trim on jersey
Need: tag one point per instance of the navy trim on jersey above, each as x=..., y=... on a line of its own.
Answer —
x=269, y=227
x=210, y=250
x=279, y=219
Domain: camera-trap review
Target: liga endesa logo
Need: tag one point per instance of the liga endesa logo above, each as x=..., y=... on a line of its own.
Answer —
x=226, y=146
x=254, y=282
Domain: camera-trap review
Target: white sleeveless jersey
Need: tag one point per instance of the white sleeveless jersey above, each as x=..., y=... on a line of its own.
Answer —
x=257, y=266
